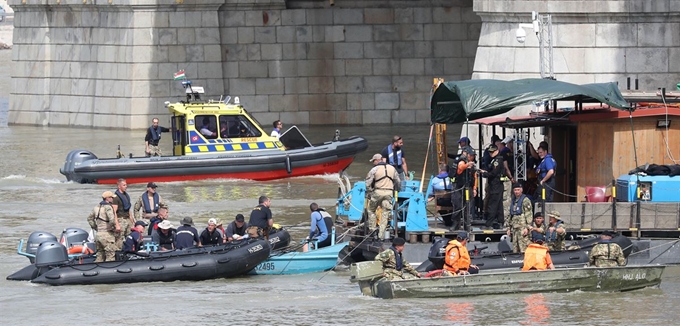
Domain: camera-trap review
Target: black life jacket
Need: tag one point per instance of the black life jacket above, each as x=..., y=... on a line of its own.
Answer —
x=400, y=261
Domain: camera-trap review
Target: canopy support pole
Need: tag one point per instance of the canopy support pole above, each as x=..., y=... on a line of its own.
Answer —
x=429, y=143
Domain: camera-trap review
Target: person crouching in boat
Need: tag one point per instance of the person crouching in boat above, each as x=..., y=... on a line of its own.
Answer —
x=135, y=240
x=537, y=257
x=607, y=253
x=261, y=219
x=319, y=229
x=395, y=267
x=164, y=237
x=457, y=261
x=236, y=229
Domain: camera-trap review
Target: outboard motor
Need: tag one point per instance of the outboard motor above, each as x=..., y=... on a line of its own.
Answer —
x=74, y=159
x=73, y=236
x=504, y=246
x=50, y=253
x=35, y=239
x=438, y=252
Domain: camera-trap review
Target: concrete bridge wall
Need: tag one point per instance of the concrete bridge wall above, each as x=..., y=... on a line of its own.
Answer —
x=110, y=63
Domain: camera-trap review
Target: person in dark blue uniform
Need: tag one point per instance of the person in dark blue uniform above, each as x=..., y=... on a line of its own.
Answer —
x=153, y=137
x=260, y=218
x=187, y=235
x=210, y=236
x=133, y=242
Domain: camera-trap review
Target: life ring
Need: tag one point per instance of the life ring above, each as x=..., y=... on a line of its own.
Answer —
x=435, y=273
x=85, y=250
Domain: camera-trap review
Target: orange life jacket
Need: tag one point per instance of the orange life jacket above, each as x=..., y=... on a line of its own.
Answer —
x=535, y=258
x=461, y=259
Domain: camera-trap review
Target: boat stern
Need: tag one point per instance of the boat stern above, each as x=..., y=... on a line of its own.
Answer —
x=73, y=159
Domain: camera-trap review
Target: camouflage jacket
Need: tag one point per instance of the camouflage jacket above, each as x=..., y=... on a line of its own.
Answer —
x=389, y=261
x=102, y=218
x=523, y=220
x=607, y=254
x=539, y=229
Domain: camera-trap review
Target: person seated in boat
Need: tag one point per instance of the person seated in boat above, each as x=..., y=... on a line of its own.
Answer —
x=538, y=224
x=440, y=192
x=537, y=257
x=278, y=126
x=135, y=240
x=220, y=229
x=187, y=235
x=205, y=129
x=457, y=259
x=556, y=232
x=395, y=267
x=320, y=228
x=260, y=218
x=607, y=253
x=210, y=236
x=153, y=223
x=149, y=202
x=164, y=237
x=237, y=228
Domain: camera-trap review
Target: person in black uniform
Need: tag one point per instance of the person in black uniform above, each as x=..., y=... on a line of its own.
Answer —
x=496, y=171
x=210, y=236
x=260, y=218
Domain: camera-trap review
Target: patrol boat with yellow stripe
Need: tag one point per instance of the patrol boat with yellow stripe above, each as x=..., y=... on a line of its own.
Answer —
x=218, y=139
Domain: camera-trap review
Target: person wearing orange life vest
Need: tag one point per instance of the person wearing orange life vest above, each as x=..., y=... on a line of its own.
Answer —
x=457, y=261
x=536, y=257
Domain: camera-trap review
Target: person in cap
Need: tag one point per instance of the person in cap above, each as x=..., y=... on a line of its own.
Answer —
x=486, y=157
x=164, y=237
x=457, y=260
x=538, y=225
x=122, y=207
x=393, y=155
x=505, y=151
x=556, y=232
x=221, y=230
x=320, y=228
x=537, y=258
x=103, y=220
x=465, y=179
x=261, y=219
x=236, y=229
x=149, y=202
x=153, y=138
x=521, y=215
x=494, y=212
x=395, y=266
x=464, y=144
x=381, y=183
x=210, y=236
x=441, y=188
x=607, y=253
x=134, y=241
x=187, y=235
x=546, y=175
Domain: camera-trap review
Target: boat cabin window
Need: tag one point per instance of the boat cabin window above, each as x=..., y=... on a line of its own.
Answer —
x=237, y=126
x=207, y=126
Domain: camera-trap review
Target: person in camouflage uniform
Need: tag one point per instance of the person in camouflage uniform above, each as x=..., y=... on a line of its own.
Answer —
x=538, y=224
x=517, y=225
x=556, y=232
x=381, y=183
x=107, y=227
x=395, y=267
x=607, y=253
x=122, y=205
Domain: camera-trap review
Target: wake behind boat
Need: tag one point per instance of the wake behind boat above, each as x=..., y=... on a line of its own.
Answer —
x=218, y=139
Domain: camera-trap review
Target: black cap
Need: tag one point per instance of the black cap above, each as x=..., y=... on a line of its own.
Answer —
x=142, y=223
x=516, y=185
x=495, y=138
x=398, y=241
x=151, y=185
x=609, y=233
x=492, y=148
x=240, y=218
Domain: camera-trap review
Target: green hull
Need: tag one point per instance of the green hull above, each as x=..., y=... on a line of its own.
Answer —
x=559, y=280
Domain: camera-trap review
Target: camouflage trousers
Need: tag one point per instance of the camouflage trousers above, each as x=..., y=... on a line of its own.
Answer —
x=382, y=198
x=519, y=242
x=125, y=226
x=154, y=151
x=105, y=243
x=558, y=244
x=507, y=195
x=602, y=262
x=393, y=274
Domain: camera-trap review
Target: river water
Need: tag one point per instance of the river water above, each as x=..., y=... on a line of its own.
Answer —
x=34, y=196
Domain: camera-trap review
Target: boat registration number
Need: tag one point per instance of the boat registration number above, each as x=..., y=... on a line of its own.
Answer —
x=267, y=266
x=634, y=276
x=255, y=249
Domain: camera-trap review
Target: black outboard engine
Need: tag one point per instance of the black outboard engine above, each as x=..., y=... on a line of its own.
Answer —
x=73, y=237
x=73, y=159
x=35, y=239
x=50, y=253
x=438, y=252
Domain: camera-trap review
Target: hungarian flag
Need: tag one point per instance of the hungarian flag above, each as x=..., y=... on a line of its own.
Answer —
x=179, y=75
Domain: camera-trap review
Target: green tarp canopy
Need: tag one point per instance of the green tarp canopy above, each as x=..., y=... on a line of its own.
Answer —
x=460, y=101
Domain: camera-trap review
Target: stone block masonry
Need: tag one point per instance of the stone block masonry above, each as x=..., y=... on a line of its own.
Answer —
x=110, y=63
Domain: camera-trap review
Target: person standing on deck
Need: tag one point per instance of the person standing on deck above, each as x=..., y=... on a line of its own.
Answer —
x=518, y=223
x=394, y=156
x=122, y=205
x=103, y=220
x=149, y=202
x=381, y=183
x=505, y=148
x=495, y=191
x=153, y=138
x=465, y=177
x=546, y=175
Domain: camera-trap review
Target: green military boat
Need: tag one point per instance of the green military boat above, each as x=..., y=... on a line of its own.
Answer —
x=369, y=276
